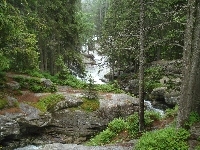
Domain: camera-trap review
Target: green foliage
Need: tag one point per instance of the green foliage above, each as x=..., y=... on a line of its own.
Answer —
x=152, y=77
x=90, y=91
x=4, y=62
x=103, y=138
x=171, y=112
x=65, y=78
x=108, y=88
x=164, y=139
x=130, y=124
x=193, y=118
x=154, y=73
x=133, y=121
x=150, y=116
x=117, y=125
x=133, y=124
x=3, y=103
x=34, y=84
x=90, y=104
x=35, y=73
x=47, y=102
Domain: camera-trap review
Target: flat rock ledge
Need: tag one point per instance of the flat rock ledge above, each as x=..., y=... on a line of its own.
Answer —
x=63, y=124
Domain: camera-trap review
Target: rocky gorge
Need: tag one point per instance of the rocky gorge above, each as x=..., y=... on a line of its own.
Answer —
x=65, y=122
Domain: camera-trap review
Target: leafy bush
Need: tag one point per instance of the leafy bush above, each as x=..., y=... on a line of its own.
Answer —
x=47, y=102
x=34, y=84
x=152, y=77
x=102, y=138
x=117, y=125
x=171, y=112
x=154, y=73
x=90, y=91
x=108, y=88
x=3, y=103
x=133, y=124
x=149, y=85
x=35, y=73
x=193, y=118
x=150, y=116
x=164, y=139
x=65, y=78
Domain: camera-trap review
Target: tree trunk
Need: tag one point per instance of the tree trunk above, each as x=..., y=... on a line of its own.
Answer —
x=141, y=68
x=190, y=96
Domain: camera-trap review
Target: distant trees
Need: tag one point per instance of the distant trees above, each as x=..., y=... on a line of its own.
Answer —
x=164, y=25
x=190, y=97
x=39, y=34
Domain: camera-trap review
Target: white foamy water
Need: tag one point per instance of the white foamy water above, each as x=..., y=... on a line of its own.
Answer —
x=99, y=69
x=150, y=107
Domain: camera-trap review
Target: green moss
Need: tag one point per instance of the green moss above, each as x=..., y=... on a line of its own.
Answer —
x=47, y=102
x=90, y=104
x=3, y=103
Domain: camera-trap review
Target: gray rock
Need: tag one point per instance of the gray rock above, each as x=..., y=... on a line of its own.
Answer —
x=13, y=85
x=12, y=101
x=58, y=146
x=33, y=116
x=158, y=93
x=8, y=127
x=172, y=98
x=70, y=101
x=46, y=82
x=66, y=125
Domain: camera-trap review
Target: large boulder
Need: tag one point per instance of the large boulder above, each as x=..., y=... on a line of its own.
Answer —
x=158, y=94
x=33, y=116
x=8, y=127
x=172, y=98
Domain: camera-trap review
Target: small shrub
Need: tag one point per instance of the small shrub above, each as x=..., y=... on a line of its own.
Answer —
x=117, y=125
x=150, y=116
x=35, y=73
x=102, y=138
x=34, y=84
x=133, y=124
x=164, y=139
x=90, y=91
x=47, y=102
x=152, y=77
x=171, y=112
x=108, y=88
x=193, y=118
x=3, y=103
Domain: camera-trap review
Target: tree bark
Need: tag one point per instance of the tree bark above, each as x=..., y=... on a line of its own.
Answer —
x=190, y=96
x=141, y=68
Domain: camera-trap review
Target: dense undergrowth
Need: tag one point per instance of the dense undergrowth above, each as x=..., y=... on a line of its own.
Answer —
x=129, y=125
x=162, y=138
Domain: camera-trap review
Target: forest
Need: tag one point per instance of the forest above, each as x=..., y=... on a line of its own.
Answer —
x=44, y=39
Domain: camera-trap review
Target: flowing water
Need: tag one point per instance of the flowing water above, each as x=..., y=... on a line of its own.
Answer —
x=98, y=68
x=150, y=107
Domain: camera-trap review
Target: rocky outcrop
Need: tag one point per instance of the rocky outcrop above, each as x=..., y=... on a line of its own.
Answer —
x=63, y=123
x=8, y=127
x=163, y=98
